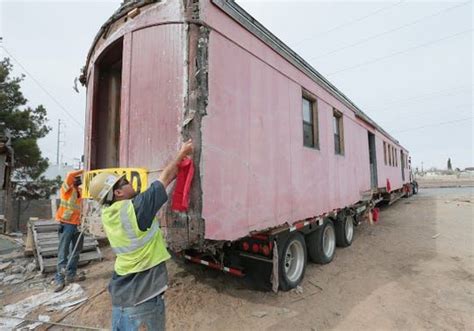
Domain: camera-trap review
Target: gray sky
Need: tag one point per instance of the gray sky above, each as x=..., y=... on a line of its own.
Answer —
x=407, y=64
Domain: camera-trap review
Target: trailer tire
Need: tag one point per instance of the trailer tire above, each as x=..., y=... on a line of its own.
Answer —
x=292, y=261
x=344, y=231
x=322, y=243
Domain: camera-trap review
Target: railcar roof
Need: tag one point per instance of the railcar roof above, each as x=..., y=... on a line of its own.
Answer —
x=232, y=9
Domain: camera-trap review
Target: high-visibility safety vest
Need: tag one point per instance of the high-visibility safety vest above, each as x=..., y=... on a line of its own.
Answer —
x=136, y=250
x=69, y=210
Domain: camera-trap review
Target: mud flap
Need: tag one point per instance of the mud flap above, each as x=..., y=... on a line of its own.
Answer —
x=274, y=279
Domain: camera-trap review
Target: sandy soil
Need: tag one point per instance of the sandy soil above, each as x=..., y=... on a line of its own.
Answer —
x=413, y=270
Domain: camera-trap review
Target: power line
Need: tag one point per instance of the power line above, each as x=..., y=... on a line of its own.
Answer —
x=387, y=106
x=421, y=115
x=349, y=23
x=42, y=88
x=400, y=52
x=434, y=124
x=388, y=31
x=417, y=120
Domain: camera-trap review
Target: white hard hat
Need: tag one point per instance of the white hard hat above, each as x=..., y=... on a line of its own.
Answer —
x=101, y=186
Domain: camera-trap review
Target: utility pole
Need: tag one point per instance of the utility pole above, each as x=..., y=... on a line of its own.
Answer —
x=58, y=142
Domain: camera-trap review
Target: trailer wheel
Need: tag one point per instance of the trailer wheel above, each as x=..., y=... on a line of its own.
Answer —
x=322, y=243
x=292, y=262
x=344, y=231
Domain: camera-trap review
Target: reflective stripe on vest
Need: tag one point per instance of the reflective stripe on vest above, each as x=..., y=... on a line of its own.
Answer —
x=135, y=242
x=69, y=204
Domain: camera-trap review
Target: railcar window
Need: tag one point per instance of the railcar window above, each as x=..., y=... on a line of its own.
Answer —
x=385, y=152
x=310, y=123
x=338, y=133
x=390, y=155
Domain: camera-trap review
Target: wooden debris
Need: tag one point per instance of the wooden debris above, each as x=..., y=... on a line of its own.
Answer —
x=46, y=242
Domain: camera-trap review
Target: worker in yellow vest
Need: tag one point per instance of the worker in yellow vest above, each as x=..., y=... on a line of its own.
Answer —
x=69, y=217
x=140, y=276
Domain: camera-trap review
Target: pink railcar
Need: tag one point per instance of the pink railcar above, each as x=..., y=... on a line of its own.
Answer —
x=286, y=164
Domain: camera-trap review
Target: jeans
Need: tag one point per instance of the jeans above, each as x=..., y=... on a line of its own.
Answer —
x=68, y=236
x=149, y=315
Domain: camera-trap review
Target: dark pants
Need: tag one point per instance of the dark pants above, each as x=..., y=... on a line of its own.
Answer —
x=68, y=236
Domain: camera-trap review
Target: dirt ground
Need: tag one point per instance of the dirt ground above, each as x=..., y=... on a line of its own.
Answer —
x=412, y=270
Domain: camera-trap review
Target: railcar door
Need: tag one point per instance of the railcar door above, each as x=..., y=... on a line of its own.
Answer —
x=402, y=159
x=373, y=160
x=105, y=135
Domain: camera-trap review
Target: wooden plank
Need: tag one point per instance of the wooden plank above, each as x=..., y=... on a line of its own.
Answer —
x=49, y=228
x=45, y=223
x=29, y=244
x=54, y=235
x=50, y=263
x=54, y=253
x=89, y=256
x=48, y=248
x=46, y=242
x=54, y=249
x=37, y=254
x=55, y=242
x=47, y=235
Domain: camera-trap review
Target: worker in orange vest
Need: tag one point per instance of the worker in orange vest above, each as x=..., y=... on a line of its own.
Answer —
x=69, y=217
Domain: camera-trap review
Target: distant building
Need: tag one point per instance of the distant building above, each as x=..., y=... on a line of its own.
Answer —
x=60, y=170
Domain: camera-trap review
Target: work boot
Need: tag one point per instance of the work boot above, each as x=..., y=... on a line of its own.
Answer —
x=59, y=287
x=76, y=278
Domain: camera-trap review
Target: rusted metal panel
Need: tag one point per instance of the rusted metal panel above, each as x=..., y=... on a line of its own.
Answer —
x=187, y=229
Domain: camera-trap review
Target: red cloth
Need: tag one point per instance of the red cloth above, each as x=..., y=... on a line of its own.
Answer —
x=389, y=188
x=180, y=201
x=375, y=214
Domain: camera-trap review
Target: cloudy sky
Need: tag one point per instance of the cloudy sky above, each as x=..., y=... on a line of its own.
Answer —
x=407, y=64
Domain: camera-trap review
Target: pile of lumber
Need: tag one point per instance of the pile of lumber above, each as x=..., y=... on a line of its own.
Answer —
x=45, y=240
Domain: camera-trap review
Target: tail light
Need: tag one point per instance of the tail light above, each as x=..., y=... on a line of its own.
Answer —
x=265, y=250
x=255, y=248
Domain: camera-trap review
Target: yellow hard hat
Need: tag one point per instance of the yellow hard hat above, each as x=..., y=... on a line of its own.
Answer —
x=101, y=185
